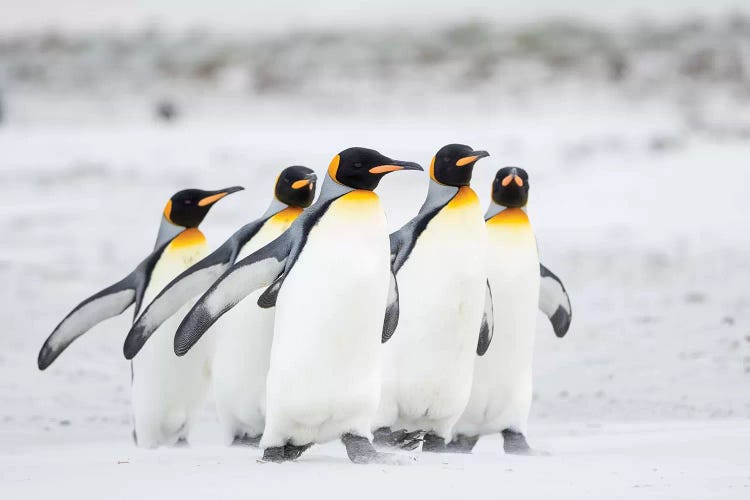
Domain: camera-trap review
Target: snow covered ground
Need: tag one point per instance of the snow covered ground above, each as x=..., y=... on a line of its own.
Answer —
x=639, y=211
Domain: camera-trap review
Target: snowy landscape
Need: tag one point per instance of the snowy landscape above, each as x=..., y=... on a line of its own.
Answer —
x=636, y=138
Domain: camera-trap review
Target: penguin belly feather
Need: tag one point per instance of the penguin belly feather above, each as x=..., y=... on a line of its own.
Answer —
x=243, y=350
x=428, y=364
x=324, y=376
x=167, y=391
x=502, y=389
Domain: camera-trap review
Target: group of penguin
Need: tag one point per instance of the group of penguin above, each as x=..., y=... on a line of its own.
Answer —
x=326, y=327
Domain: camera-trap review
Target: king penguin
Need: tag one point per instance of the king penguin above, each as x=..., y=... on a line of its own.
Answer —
x=501, y=394
x=166, y=391
x=243, y=341
x=336, y=301
x=439, y=262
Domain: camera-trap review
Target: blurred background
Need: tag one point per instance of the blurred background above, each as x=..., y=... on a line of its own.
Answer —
x=632, y=118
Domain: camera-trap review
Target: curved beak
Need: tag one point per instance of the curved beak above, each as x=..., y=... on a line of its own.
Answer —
x=474, y=156
x=214, y=196
x=394, y=166
x=309, y=180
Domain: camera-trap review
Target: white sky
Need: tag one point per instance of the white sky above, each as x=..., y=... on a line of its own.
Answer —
x=239, y=15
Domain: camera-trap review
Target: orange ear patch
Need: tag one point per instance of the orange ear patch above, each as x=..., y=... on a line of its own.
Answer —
x=168, y=211
x=432, y=169
x=333, y=167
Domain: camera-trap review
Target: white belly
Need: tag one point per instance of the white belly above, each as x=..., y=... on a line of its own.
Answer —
x=428, y=364
x=502, y=389
x=168, y=391
x=324, y=378
x=243, y=348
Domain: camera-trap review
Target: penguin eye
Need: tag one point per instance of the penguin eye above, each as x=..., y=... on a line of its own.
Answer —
x=357, y=165
x=187, y=202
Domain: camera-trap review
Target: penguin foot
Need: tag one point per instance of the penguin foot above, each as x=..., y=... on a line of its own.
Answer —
x=515, y=443
x=285, y=453
x=275, y=454
x=247, y=440
x=361, y=451
x=433, y=443
x=462, y=443
x=182, y=443
x=398, y=439
x=293, y=452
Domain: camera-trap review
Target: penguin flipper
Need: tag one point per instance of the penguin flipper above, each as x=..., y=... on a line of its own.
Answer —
x=191, y=282
x=404, y=240
x=554, y=301
x=487, y=330
x=391, y=311
x=267, y=299
x=105, y=304
x=253, y=272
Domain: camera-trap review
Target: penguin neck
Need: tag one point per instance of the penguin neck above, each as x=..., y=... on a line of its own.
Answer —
x=167, y=231
x=495, y=209
x=275, y=207
x=332, y=190
x=438, y=195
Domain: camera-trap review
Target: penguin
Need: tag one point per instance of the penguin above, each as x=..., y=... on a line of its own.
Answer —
x=243, y=342
x=336, y=300
x=439, y=260
x=501, y=394
x=162, y=409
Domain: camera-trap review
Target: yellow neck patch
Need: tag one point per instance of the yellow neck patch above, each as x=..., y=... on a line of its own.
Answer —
x=360, y=195
x=189, y=237
x=286, y=216
x=510, y=217
x=465, y=197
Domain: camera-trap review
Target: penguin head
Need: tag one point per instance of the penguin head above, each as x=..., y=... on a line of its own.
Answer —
x=188, y=207
x=295, y=186
x=511, y=187
x=362, y=168
x=454, y=164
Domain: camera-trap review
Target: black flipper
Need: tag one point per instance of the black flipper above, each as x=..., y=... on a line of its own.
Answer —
x=110, y=302
x=554, y=301
x=391, y=311
x=487, y=330
x=404, y=240
x=253, y=272
x=188, y=284
x=268, y=298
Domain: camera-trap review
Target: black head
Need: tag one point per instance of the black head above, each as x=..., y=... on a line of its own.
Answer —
x=454, y=164
x=295, y=186
x=362, y=168
x=187, y=208
x=511, y=187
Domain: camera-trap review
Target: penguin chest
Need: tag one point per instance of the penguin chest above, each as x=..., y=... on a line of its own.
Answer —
x=513, y=272
x=442, y=283
x=183, y=251
x=243, y=344
x=329, y=313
